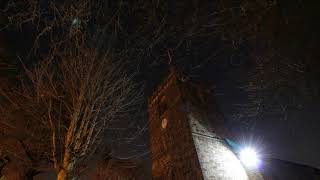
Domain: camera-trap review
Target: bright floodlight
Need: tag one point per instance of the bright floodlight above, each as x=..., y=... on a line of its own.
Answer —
x=249, y=157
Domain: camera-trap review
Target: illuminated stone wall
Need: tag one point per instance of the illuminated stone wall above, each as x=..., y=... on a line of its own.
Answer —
x=182, y=143
x=217, y=161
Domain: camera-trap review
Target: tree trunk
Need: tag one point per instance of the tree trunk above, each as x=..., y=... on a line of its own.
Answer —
x=65, y=173
x=62, y=174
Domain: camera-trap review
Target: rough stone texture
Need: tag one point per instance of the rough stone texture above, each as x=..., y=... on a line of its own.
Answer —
x=172, y=150
x=216, y=159
x=183, y=145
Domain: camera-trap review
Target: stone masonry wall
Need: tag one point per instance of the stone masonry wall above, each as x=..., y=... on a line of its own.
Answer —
x=182, y=143
x=216, y=160
x=172, y=149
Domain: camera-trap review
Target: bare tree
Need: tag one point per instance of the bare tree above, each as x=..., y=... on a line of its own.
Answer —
x=75, y=93
x=75, y=99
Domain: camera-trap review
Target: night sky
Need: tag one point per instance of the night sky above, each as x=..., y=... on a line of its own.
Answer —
x=293, y=35
x=292, y=135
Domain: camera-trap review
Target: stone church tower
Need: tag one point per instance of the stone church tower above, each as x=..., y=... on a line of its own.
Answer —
x=183, y=126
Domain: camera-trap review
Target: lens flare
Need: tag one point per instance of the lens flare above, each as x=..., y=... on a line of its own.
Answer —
x=249, y=157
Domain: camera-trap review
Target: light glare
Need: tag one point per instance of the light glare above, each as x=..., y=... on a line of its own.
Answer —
x=249, y=157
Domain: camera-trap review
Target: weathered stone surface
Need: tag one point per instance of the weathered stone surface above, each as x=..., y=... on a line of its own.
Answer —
x=217, y=161
x=172, y=150
x=183, y=146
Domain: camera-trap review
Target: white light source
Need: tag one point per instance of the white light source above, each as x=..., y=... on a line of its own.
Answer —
x=249, y=157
